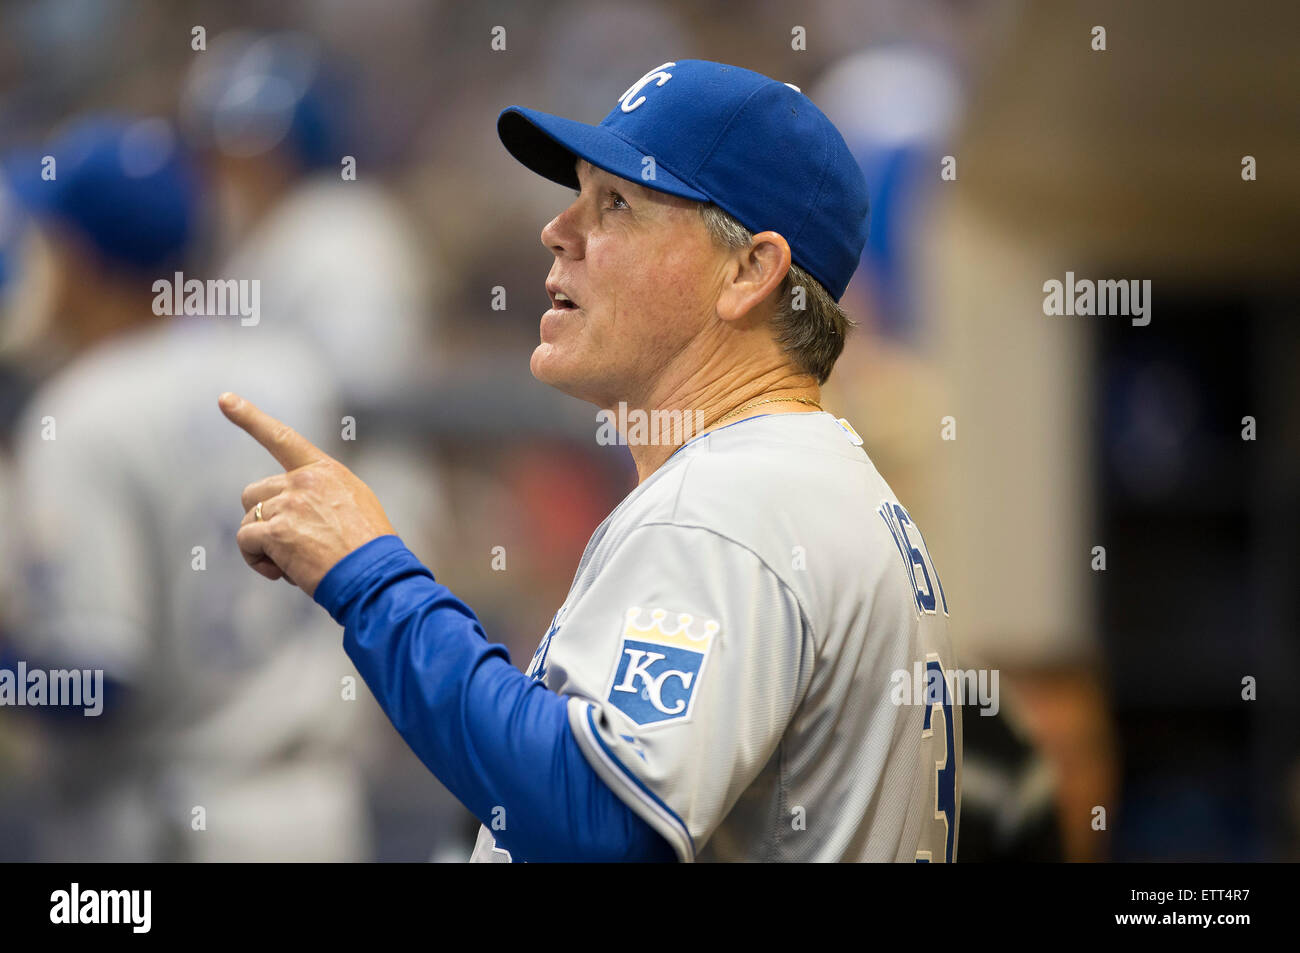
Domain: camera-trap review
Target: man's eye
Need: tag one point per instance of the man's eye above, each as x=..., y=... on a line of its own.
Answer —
x=617, y=201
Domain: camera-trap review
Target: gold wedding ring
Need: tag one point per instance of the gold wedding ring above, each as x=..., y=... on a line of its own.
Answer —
x=257, y=512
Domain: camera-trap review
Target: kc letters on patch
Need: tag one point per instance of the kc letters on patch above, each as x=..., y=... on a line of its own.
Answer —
x=660, y=665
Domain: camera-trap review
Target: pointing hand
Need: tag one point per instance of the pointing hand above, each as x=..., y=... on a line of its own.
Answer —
x=312, y=515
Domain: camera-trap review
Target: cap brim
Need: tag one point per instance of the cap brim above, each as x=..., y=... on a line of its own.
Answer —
x=551, y=145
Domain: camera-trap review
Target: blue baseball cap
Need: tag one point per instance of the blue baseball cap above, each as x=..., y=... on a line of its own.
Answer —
x=123, y=185
x=253, y=93
x=757, y=148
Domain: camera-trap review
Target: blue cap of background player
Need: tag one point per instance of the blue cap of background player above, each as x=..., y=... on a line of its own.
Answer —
x=251, y=94
x=122, y=185
x=757, y=148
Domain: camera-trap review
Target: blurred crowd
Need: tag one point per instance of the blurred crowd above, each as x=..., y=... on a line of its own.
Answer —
x=369, y=270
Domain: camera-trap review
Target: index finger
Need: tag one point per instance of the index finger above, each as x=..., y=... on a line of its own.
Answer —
x=290, y=448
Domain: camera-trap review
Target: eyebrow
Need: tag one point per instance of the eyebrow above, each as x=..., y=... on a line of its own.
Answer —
x=593, y=170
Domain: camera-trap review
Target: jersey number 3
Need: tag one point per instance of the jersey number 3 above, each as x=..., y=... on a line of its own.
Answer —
x=945, y=771
x=938, y=703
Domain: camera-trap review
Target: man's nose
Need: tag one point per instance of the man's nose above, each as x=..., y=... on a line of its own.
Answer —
x=561, y=234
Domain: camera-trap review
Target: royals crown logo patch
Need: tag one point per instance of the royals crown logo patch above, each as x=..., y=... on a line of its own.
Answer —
x=659, y=665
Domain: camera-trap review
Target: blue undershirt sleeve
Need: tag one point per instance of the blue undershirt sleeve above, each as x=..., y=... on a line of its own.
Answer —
x=499, y=740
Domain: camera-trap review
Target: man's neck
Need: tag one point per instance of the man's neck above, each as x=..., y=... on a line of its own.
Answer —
x=705, y=409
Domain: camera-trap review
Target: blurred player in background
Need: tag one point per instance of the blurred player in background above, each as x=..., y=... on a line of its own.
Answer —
x=299, y=209
x=300, y=204
x=226, y=734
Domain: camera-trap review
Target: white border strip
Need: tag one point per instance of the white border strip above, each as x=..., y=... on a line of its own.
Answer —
x=654, y=814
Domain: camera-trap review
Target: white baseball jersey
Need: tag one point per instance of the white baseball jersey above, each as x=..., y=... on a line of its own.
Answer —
x=128, y=480
x=739, y=648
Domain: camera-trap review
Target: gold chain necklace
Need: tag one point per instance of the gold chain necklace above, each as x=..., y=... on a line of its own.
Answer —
x=768, y=400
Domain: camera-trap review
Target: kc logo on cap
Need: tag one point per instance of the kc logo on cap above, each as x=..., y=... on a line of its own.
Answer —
x=657, y=74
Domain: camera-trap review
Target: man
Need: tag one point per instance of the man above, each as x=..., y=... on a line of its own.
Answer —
x=223, y=735
x=717, y=685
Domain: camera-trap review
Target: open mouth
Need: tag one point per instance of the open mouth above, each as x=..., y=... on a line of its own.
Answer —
x=560, y=301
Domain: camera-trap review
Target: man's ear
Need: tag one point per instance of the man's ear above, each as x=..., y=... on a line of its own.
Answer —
x=753, y=275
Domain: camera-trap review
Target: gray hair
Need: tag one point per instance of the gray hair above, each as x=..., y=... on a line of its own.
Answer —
x=813, y=335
